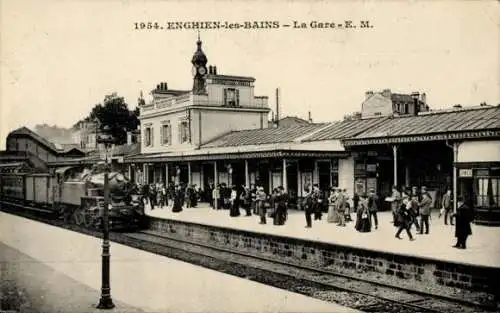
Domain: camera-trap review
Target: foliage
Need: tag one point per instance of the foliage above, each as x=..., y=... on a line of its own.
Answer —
x=114, y=114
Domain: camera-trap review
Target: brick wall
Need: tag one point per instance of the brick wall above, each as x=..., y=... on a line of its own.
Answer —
x=437, y=277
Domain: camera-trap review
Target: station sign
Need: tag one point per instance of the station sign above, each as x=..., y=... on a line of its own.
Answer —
x=465, y=172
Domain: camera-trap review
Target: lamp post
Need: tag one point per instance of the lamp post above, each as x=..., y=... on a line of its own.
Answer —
x=106, y=302
x=230, y=174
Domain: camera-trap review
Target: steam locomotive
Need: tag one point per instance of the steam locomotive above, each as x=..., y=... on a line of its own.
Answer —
x=75, y=195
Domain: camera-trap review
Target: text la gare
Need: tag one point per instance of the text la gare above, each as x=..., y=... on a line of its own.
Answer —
x=330, y=24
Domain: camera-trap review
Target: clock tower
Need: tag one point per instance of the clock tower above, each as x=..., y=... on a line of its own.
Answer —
x=199, y=62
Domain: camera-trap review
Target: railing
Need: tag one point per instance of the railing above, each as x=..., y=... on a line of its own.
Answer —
x=185, y=100
x=255, y=104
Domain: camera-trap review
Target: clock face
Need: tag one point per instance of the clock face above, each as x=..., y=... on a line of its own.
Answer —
x=202, y=70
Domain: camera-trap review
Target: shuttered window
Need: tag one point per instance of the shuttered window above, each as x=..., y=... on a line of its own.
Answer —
x=183, y=132
x=166, y=134
x=148, y=136
x=231, y=97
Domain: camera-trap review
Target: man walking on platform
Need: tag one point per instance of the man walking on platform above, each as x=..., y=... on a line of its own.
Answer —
x=414, y=202
x=425, y=210
x=405, y=218
x=396, y=204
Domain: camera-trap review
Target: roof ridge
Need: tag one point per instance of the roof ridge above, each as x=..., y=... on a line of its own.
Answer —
x=303, y=137
x=220, y=136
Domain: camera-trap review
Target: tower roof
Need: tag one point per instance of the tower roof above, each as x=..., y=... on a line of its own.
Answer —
x=199, y=56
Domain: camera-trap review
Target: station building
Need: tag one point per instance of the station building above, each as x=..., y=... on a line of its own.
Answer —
x=26, y=151
x=218, y=132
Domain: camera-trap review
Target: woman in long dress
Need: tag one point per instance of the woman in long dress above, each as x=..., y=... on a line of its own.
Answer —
x=332, y=207
x=178, y=199
x=363, y=223
x=235, y=203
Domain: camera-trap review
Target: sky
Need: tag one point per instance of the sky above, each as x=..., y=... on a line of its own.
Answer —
x=60, y=58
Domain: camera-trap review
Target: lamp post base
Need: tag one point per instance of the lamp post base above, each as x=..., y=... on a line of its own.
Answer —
x=105, y=303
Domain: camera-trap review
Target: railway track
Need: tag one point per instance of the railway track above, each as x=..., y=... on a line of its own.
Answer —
x=355, y=293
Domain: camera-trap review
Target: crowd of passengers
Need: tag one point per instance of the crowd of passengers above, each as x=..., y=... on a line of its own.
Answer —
x=410, y=206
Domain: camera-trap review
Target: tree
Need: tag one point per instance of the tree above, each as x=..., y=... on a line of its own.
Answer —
x=114, y=113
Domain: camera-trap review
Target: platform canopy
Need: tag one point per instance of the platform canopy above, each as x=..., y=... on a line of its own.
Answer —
x=458, y=124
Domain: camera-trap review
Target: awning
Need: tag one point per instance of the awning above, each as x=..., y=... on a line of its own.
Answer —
x=12, y=167
x=63, y=170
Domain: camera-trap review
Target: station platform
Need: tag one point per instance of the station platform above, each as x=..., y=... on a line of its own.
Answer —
x=57, y=270
x=483, y=247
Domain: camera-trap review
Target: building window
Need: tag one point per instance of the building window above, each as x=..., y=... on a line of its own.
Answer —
x=166, y=134
x=231, y=97
x=148, y=136
x=402, y=108
x=183, y=132
x=488, y=192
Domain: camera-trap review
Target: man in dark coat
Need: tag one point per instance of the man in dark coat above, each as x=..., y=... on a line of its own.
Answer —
x=463, y=218
x=425, y=210
x=308, y=206
x=372, y=206
x=404, y=218
x=281, y=206
x=317, y=197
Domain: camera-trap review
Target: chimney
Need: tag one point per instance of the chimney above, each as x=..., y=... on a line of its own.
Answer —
x=423, y=98
x=210, y=70
x=158, y=87
x=215, y=70
x=368, y=94
x=129, y=138
x=309, y=117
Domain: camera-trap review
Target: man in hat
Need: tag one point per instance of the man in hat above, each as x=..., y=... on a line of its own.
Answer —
x=260, y=197
x=372, y=206
x=317, y=197
x=396, y=204
x=405, y=218
x=341, y=207
x=425, y=210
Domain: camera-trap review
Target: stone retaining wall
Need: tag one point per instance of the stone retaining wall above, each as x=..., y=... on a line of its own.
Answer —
x=421, y=274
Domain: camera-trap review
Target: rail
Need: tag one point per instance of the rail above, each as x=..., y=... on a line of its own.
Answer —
x=369, y=296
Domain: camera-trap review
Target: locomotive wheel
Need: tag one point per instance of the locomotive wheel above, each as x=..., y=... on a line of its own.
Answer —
x=87, y=219
x=79, y=218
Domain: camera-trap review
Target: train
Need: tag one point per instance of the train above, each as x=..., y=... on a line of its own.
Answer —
x=76, y=196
